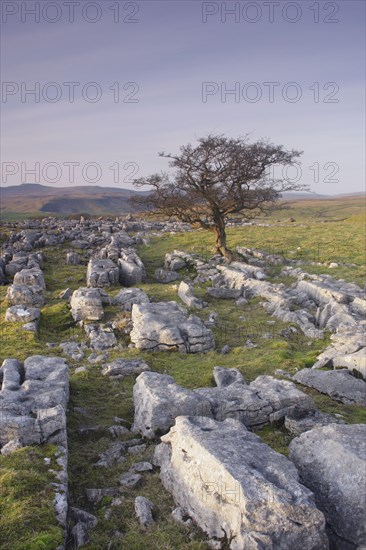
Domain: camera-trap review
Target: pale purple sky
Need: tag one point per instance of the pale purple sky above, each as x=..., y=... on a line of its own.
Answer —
x=168, y=54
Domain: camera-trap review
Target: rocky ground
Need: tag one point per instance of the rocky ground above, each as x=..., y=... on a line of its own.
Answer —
x=176, y=401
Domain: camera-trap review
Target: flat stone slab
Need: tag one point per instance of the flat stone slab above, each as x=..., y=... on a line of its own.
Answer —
x=164, y=326
x=338, y=384
x=332, y=462
x=125, y=367
x=230, y=483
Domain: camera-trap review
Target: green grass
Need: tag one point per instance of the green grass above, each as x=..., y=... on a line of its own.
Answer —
x=27, y=518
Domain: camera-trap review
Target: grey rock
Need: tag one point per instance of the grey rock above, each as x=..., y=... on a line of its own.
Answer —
x=332, y=462
x=129, y=480
x=131, y=269
x=86, y=305
x=296, y=424
x=65, y=294
x=338, y=384
x=80, y=534
x=225, y=377
x=144, y=508
x=223, y=293
x=95, y=358
x=158, y=400
x=165, y=276
x=137, y=449
x=230, y=482
x=353, y=361
x=33, y=400
x=125, y=367
x=101, y=338
x=117, y=431
x=81, y=515
x=164, y=326
x=102, y=273
x=186, y=294
x=27, y=296
x=127, y=297
x=142, y=467
x=72, y=350
x=22, y=314
x=30, y=277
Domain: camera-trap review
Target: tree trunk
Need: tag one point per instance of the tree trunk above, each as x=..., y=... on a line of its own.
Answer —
x=220, y=241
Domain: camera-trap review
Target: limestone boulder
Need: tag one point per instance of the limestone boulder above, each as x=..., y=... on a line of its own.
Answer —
x=164, y=326
x=27, y=296
x=102, y=273
x=238, y=489
x=86, y=304
x=131, y=268
x=332, y=463
x=186, y=294
x=165, y=276
x=158, y=400
x=129, y=296
x=22, y=314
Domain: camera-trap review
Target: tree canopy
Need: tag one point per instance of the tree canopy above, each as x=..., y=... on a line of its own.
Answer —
x=217, y=178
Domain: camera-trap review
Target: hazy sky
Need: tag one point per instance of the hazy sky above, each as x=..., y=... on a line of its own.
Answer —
x=295, y=70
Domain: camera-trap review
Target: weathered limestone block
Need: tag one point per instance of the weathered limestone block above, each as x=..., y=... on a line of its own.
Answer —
x=223, y=293
x=86, y=304
x=158, y=400
x=22, y=314
x=129, y=296
x=33, y=400
x=332, y=462
x=225, y=377
x=164, y=326
x=338, y=384
x=28, y=296
x=232, y=484
x=30, y=277
x=186, y=294
x=100, y=337
x=165, y=276
x=131, y=269
x=283, y=396
x=102, y=273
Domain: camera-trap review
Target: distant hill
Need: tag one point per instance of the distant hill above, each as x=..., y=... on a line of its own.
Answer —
x=33, y=198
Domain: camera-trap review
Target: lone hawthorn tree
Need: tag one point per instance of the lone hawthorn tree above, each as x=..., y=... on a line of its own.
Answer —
x=217, y=178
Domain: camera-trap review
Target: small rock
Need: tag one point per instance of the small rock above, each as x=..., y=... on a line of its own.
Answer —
x=129, y=480
x=142, y=467
x=136, y=449
x=225, y=350
x=143, y=509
